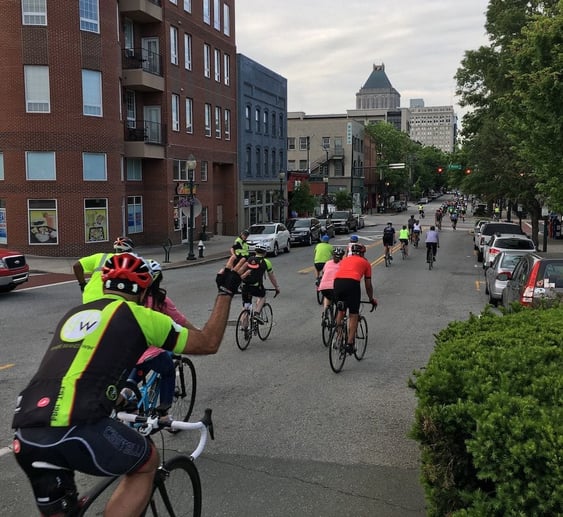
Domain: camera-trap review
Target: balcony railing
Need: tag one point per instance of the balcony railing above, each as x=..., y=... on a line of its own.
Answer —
x=140, y=58
x=145, y=131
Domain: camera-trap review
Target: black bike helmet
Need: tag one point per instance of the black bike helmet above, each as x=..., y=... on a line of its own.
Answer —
x=126, y=272
x=260, y=250
x=338, y=253
x=358, y=249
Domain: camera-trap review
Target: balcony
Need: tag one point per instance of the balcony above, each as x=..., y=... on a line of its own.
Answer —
x=142, y=11
x=142, y=70
x=144, y=139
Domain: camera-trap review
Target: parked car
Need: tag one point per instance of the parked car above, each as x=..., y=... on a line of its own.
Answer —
x=491, y=228
x=496, y=276
x=536, y=279
x=423, y=201
x=477, y=230
x=503, y=242
x=398, y=206
x=344, y=221
x=480, y=210
x=14, y=270
x=273, y=236
x=327, y=227
x=304, y=230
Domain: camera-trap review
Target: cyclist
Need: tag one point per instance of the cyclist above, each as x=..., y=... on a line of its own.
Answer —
x=326, y=285
x=353, y=240
x=240, y=246
x=155, y=358
x=438, y=218
x=453, y=219
x=416, y=231
x=323, y=252
x=63, y=418
x=347, y=289
x=404, y=235
x=92, y=265
x=432, y=241
x=421, y=211
x=388, y=239
x=410, y=225
x=253, y=283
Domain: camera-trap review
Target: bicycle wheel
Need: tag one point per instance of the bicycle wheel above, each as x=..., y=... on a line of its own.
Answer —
x=327, y=324
x=244, y=330
x=320, y=297
x=429, y=258
x=177, y=490
x=267, y=316
x=184, y=389
x=361, y=338
x=337, y=349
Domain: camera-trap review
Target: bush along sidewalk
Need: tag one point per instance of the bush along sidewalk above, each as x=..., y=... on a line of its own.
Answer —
x=489, y=418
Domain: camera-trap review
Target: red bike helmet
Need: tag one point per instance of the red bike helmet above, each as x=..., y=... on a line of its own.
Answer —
x=126, y=272
x=358, y=249
x=122, y=244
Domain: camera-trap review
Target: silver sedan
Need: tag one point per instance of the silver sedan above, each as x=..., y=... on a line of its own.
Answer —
x=497, y=275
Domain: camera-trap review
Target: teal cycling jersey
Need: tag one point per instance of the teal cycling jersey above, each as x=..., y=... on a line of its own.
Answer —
x=92, y=351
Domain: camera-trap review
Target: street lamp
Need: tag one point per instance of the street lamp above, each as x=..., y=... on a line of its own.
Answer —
x=191, y=164
x=282, y=178
x=325, y=181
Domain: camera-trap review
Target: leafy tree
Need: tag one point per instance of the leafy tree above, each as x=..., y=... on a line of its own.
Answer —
x=302, y=201
x=343, y=200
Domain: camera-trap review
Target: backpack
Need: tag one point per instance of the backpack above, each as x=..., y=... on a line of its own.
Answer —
x=257, y=268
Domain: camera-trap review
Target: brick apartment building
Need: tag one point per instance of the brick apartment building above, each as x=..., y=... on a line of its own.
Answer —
x=106, y=106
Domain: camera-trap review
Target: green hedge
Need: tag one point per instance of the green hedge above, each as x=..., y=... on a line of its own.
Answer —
x=490, y=416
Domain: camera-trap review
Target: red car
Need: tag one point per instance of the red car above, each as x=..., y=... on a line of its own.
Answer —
x=13, y=270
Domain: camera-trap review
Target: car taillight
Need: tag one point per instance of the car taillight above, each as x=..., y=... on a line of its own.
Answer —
x=527, y=296
x=507, y=275
x=493, y=252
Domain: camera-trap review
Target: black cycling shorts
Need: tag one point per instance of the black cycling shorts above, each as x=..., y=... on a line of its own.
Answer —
x=319, y=266
x=328, y=293
x=248, y=291
x=348, y=290
x=105, y=448
x=388, y=241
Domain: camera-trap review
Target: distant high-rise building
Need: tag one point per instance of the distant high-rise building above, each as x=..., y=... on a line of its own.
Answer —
x=416, y=103
x=433, y=126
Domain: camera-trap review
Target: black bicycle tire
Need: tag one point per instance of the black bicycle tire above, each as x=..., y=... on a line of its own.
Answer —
x=168, y=494
x=243, y=337
x=429, y=258
x=181, y=388
x=327, y=323
x=361, y=338
x=320, y=297
x=336, y=350
x=267, y=315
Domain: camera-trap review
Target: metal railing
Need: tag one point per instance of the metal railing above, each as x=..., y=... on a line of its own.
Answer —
x=134, y=58
x=145, y=131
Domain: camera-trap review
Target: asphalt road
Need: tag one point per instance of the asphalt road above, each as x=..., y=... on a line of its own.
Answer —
x=292, y=437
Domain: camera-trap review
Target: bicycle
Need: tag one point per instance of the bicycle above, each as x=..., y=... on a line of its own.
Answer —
x=171, y=493
x=439, y=224
x=250, y=324
x=147, y=392
x=319, y=293
x=404, y=252
x=387, y=256
x=339, y=338
x=416, y=239
x=430, y=258
x=328, y=320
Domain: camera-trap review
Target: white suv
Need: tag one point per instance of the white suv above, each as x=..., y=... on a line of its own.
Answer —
x=505, y=242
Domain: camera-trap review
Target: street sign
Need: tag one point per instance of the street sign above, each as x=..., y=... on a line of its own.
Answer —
x=454, y=166
x=396, y=165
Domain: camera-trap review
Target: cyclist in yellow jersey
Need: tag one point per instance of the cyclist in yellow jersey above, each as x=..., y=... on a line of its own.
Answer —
x=62, y=417
x=404, y=235
x=323, y=253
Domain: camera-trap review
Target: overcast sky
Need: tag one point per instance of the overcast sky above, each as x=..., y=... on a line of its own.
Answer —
x=326, y=48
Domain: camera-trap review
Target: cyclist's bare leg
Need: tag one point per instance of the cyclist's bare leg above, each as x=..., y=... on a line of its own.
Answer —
x=134, y=490
x=352, y=326
x=259, y=304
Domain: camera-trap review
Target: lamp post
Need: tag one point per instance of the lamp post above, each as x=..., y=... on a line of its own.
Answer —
x=325, y=181
x=282, y=178
x=191, y=164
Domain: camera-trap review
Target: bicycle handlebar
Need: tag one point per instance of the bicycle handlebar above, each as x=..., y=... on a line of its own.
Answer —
x=373, y=307
x=154, y=423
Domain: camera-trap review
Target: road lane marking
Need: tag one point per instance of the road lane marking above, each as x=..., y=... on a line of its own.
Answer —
x=6, y=366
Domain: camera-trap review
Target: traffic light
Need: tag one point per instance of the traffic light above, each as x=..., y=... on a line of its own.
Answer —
x=440, y=170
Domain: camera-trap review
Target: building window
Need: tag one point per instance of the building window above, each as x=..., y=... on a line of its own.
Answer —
x=188, y=6
x=291, y=143
x=302, y=165
x=217, y=14
x=134, y=169
x=89, y=16
x=227, y=124
x=34, y=12
x=96, y=220
x=40, y=165
x=206, y=12
x=257, y=119
x=1, y=166
x=227, y=69
x=291, y=165
x=43, y=221
x=180, y=170
x=266, y=162
x=129, y=36
x=217, y=55
x=303, y=143
x=131, y=107
x=247, y=118
x=207, y=119
x=218, y=122
x=188, y=51
x=94, y=167
x=37, y=92
x=226, y=20
x=203, y=170
x=280, y=128
x=175, y=112
x=92, y=93
x=206, y=60
x=173, y=45
x=134, y=214
x=273, y=124
x=189, y=115
x=326, y=142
